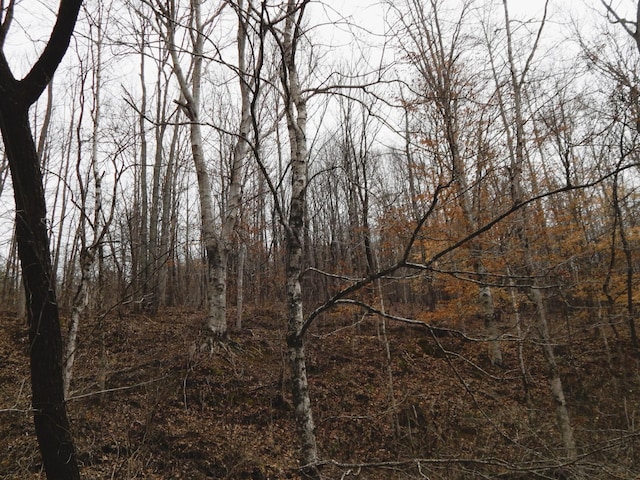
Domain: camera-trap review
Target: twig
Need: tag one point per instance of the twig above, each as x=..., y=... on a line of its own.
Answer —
x=117, y=389
x=14, y=408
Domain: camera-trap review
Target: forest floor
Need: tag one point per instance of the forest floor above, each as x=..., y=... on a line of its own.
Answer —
x=440, y=411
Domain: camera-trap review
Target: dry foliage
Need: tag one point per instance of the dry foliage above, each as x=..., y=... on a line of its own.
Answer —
x=171, y=412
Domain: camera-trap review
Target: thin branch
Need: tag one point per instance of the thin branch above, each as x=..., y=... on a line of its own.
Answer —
x=117, y=389
x=6, y=22
x=622, y=21
x=428, y=266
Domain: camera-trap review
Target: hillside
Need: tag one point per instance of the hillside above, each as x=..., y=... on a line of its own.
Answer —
x=170, y=412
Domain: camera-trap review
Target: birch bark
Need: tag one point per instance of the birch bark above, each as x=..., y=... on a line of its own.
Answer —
x=296, y=115
x=190, y=91
x=247, y=82
x=217, y=245
x=89, y=252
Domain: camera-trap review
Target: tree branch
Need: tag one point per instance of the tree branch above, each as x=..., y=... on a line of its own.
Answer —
x=42, y=71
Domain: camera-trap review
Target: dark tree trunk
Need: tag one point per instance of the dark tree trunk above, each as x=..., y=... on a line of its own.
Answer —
x=50, y=417
x=16, y=96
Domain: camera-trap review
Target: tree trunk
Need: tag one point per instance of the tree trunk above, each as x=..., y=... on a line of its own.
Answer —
x=242, y=255
x=520, y=231
x=158, y=256
x=88, y=251
x=49, y=410
x=80, y=302
x=50, y=415
x=216, y=248
x=296, y=113
x=144, y=273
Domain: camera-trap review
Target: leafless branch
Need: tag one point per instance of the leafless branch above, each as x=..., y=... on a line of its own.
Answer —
x=117, y=389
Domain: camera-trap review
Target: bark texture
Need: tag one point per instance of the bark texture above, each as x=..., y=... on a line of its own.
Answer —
x=296, y=114
x=50, y=416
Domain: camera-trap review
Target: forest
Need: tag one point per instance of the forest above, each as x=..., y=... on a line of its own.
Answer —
x=320, y=239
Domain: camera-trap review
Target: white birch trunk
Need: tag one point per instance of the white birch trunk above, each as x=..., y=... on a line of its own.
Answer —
x=239, y=152
x=296, y=114
x=143, y=227
x=216, y=323
x=80, y=302
x=157, y=256
x=217, y=247
x=242, y=255
x=166, y=223
x=88, y=253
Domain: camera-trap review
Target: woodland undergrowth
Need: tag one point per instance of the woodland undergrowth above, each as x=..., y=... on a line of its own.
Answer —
x=169, y=411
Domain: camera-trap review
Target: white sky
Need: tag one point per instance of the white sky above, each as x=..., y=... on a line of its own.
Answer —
x=34, y=18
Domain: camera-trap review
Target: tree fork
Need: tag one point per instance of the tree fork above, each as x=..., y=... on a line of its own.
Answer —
x=50, y=415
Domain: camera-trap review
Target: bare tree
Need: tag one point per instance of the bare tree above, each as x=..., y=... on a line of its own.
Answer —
x=437, y=54
x=288, y=32
x=217, y=244
x=96, y=218
x=296, y=114
x=249, y=85
x=190, y=89
x=515, y=131
x=622, y=73
x=632, y=27
x=50, y=416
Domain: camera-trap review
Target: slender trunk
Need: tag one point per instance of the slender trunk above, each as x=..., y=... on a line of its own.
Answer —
x=240, y=149
x=88, y=251
x=143, y=224
x=63, y=200
x=215, y=249
x=46, y=121
x=96, y=248
x=296, y=114
x=156, y=255
x=520, y=230
x=526, y=386
x=80, y=303
x=165, y=244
